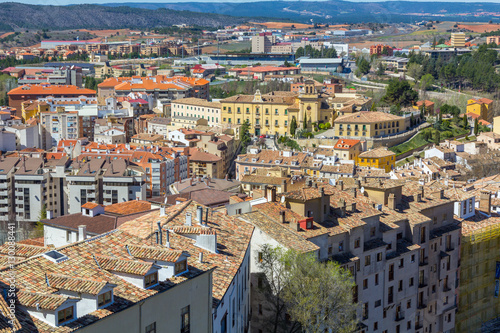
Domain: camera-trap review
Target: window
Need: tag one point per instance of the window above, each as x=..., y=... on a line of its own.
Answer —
x=223, y=322
x=365, y=310
x=260, y=309
x=65, y=315
x=365, y=284
x=379, y=256
x=104, y=299
x=401, y=263
x=151, y=328
x=378, y=303
x=341, y=246
x=150, y=280
x=185, y=320
x=260, y=256
x=376, y=279
x=372, y=232
x=375, y=326
x=408, y=304
x=400, y=286
x=411, y=282
x=180, y=266
x=357, y=243
x=68, y=236
x=368, y=260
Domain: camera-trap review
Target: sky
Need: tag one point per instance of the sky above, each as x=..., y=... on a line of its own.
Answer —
x=66, y=2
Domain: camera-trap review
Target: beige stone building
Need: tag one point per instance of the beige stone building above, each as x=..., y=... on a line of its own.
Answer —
x=368, y=124
x=199, y=108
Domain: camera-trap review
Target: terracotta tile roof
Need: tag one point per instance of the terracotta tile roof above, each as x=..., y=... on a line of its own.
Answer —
x=8, y=323
x=280, y=232
x=47, y=89
x=304, y=194
x=44, y=301
x=377, y=153
x=346, y=143
x=90, y=205
x=23, y=250
x=156, y=253
x=233, y=239
x=367, y=117
x=192, y=230
x=128, y=207
x=32, y=241
x=197, y=102
x=79, y=285
x=196, y=155
x=124, y=265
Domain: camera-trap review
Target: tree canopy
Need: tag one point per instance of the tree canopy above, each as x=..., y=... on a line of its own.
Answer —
x=400, y=92
x=316, y=295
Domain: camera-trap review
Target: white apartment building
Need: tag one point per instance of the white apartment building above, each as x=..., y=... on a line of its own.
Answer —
x=57, y=126
x=198, y=108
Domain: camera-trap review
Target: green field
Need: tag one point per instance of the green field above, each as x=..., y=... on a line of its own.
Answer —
x=235, y=46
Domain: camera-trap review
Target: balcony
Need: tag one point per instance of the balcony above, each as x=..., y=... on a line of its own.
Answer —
x=421, y=306
x=422, y=284
x=424, y=261
x=399, y=316
x=3, y=186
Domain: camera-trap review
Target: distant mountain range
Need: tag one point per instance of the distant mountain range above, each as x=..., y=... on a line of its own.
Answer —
x=22, y=16
x=335, y=11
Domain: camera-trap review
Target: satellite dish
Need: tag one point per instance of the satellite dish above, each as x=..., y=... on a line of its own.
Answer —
x=282, y=199
x=362, y=190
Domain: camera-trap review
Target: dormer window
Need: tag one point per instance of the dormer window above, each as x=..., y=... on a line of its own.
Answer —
x=180, y=267
x=151, y=280
x=65, y=315
x=104, y=299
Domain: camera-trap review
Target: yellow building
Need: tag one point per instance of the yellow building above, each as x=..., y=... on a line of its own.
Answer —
x=479, y=300
x=272, y=113
x=496, y=125
x=458, y=39
x=368, y=124
x=482, y=107
x=379, y=158
x=31, y=109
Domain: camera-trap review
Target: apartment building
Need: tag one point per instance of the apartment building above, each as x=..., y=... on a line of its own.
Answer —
x=199, y=108
x=378, y=158
x=58, y=125
x=158, y=125
x=29, y=92
x=493, y=39
x=263, y=42
x=481, y=107
x=381, y=49
x=141, y=286
x=457, y=39
x=402, y=249
x=104, y=181
x=202, y=164
x=368, y=124
x=273, y=113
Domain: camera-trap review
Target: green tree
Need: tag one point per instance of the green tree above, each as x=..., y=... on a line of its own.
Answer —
x=380, y=69
x=245, y=136
x=437, y=137
x=426, y=82
x=304, y=126
x=465, y=122
x=373, y=107
x=399, y=92
x=363, y=65
x=293, y=126
x=476, y=127
x=414, y=71
x=318, y=295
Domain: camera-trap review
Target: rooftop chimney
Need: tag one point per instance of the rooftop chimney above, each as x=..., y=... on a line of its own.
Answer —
x=340, y=185
x=82, y=232
x=189, y=219
x=485, y=201
x=206, y=217
x=160, y=234
x=200, y=259
x=167, y=236
x=199, y=214
x=282, y=216
x=162, y=210
x=391, y=203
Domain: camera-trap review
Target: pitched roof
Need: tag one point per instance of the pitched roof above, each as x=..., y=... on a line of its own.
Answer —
x=47, y=89
x=156, y=253
x=79, y=285
x=124, y=265
x=44, y=301
x=377, y=153
x=367, y=117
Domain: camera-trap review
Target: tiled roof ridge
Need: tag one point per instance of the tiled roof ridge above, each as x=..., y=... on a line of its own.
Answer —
x=61, y=281
x=5, y=311
x=154, y=252
x=175, y=214
x=42, y=299
x=109, y=263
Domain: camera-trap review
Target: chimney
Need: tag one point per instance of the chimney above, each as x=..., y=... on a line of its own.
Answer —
x=353, y=207
x=200, y=258
x=354, y=192
x=160, y=234
x=358, y=183
x=206, y=217
x=283, y=186
x=421, y=191
x=207, y=181
x=391, y=203
x=417, y=197
x=282, y=216
x=199, y=214
x=162, y=210
x=485, y=201
x=50, y=214
x=322, y=191
x=167, y=236
x=441, y=194
x=294, y=225
x=189, y=219
x=82, y=232
x=271, y=193
x=340, y=185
